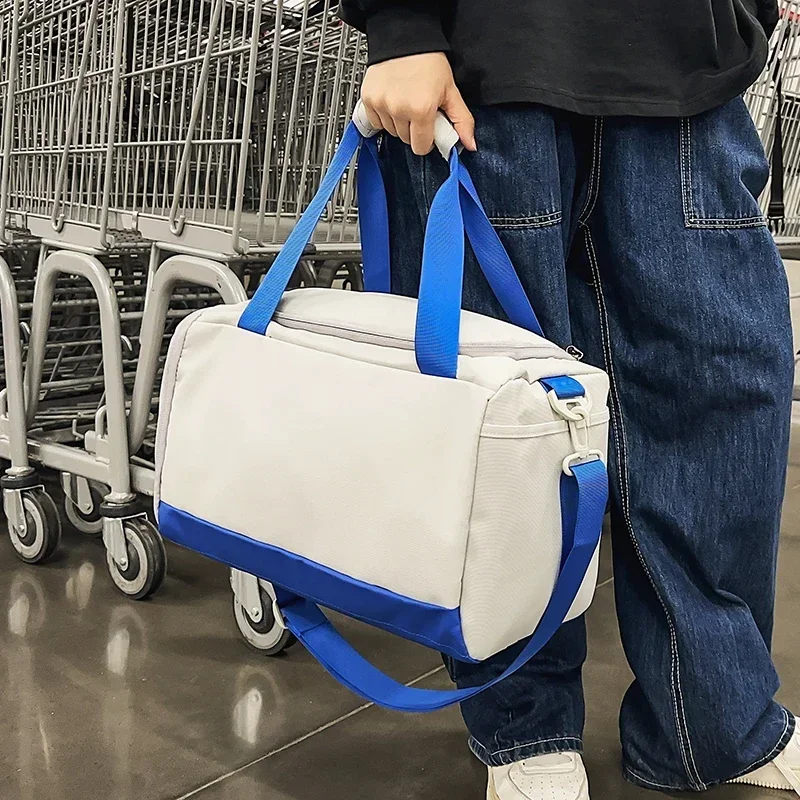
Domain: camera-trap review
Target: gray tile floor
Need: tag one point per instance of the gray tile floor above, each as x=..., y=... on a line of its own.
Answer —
x=105, y=699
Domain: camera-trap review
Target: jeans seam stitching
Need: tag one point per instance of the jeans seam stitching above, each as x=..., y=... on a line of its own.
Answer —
x=686, y=180
x=687, y=188
x=689, y=150
x=425, y=173
x=772, y=753
x=527, y=744
x=725, y=224
x=621, y=447
x=532, y=221
x=653, y=783
x=594, y=176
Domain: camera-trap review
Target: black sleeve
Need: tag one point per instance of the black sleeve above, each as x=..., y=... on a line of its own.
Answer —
x=396, y=28
x=768, y=14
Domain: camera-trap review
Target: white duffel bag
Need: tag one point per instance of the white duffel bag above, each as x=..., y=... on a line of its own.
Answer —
x=430, y=471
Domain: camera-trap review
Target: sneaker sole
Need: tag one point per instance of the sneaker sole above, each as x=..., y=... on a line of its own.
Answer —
x=770, y=776
x=491, y=794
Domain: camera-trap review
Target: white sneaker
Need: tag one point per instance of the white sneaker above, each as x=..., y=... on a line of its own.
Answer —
x=556, y=776
x=783, y=772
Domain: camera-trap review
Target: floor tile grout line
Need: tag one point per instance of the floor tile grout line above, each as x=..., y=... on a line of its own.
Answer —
x=299, y=740
x=321, y=729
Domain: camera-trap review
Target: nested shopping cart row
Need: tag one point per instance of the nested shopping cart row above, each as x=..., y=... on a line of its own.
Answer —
x=154, y=156
x=200, y=124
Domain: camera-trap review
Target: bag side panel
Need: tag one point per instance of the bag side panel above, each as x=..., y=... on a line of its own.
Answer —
x=363, y=469
x=167, y=392
x=515, y=538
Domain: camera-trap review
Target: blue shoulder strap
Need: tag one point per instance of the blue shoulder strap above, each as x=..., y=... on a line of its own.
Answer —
x=584, y=494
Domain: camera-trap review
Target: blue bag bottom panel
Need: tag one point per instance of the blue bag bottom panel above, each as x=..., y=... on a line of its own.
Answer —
x=430, y=625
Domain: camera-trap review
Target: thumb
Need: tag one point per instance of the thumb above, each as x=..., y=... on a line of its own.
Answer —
x=457, y=112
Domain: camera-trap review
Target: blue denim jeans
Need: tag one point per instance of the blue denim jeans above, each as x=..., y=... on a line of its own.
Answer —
x=641, y=244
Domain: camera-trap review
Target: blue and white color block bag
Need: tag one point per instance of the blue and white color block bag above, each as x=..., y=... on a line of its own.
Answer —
x=430, y=471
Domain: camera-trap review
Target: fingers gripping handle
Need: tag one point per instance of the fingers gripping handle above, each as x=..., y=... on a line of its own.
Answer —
x=444, y=134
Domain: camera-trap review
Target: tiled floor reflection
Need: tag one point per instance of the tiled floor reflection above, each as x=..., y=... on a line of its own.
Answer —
x=105, y=699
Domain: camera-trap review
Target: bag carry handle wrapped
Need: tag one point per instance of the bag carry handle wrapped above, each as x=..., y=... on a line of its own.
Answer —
x=455, y=209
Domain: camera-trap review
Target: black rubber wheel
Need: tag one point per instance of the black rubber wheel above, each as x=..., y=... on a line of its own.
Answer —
x=268, y=635
x=43, y=528
x=147, y=560
x=89, y=524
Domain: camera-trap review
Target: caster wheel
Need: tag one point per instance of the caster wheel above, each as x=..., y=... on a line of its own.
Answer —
x=43, y=533
x=88, y=523
x=147, y=561
x=268, y=636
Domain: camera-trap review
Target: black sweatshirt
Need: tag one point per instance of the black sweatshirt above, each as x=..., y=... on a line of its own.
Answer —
x=641, y=57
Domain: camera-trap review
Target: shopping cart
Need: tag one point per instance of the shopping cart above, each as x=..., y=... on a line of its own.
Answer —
x=774, y=104
x=155, y=154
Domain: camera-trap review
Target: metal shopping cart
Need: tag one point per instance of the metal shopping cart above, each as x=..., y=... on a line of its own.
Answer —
x=774, y=103
x=155, y=154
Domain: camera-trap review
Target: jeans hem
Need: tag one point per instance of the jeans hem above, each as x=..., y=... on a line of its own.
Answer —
x=540, y=747
x=772, y=753
x=786, y=737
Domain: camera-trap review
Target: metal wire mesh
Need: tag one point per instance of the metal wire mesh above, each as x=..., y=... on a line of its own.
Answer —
x=201, y=124
x=783, y=66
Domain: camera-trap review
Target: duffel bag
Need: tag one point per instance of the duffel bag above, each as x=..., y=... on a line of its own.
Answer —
x=427, y=470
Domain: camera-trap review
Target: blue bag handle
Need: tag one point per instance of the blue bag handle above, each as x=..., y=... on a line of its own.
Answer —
x=455, y=207
x=489, y=250
x=583, y=498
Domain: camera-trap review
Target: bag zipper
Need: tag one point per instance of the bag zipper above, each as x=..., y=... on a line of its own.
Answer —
x=517, y=352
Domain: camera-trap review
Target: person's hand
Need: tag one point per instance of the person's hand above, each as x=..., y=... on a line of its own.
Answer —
x=403, y=95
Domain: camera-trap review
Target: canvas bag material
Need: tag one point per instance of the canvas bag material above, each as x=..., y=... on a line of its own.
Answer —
x=430, y=471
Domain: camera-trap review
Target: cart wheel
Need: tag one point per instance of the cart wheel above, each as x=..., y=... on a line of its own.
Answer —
x=268, y=636
x=147, y=560
x=43, y=533
x=89, y=523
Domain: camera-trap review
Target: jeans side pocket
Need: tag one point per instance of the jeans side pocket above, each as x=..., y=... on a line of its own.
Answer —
x=723, y=169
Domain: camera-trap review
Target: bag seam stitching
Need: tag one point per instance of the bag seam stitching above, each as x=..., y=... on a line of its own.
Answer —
x=413, y=635
x=469, y=520
x=158, y=476
x=493, y=431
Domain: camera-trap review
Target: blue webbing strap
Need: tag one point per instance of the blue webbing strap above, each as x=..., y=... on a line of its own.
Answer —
x=373, y=219
x=456, y=207
x=564, y=386
x=258, y=312
x=489, y=250
x=587, y=489
x=440, y=283
x=493, y=258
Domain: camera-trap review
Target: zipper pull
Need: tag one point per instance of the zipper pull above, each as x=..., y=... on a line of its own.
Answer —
x=575, y=353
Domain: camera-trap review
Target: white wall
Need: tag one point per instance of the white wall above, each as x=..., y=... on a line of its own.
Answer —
x=793, y=273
